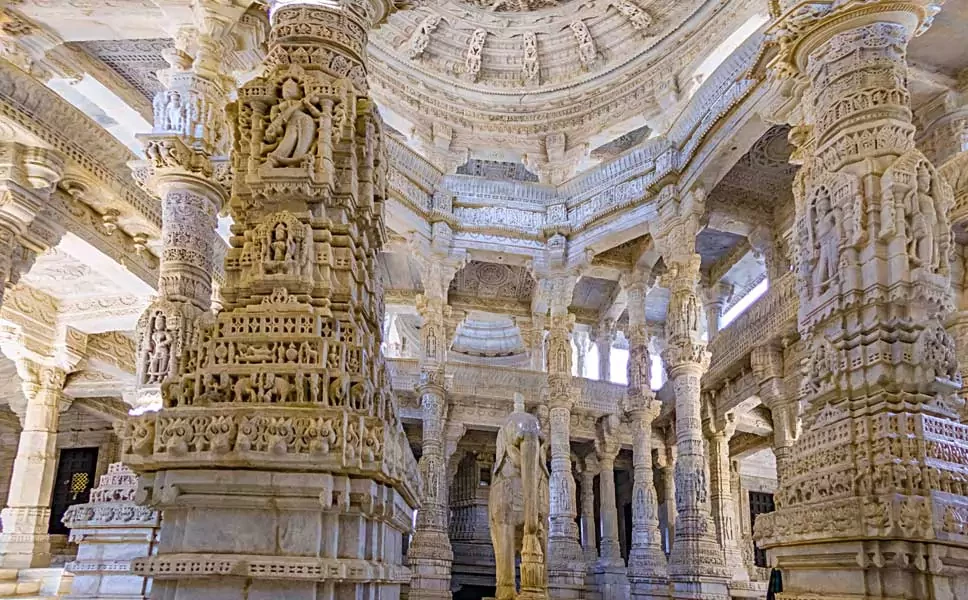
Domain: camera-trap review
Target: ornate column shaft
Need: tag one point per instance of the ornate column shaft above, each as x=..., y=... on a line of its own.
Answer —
x=589, y=533
x=25, y=542
x=279, y=455
x=667, y=467
x=604, y=337
x=873, y=244
x=714, y=298
x=647, y=568
x=566, y=565
x=430, y=554
x=580, y=339
x=189, y=131
x=609, y=572
x=696, y=566
x=723, y=503
x=767, y=363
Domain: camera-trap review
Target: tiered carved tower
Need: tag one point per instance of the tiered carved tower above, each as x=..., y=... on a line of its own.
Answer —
x=279, y=458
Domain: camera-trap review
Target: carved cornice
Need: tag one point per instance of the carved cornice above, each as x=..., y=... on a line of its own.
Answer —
x=87, y=145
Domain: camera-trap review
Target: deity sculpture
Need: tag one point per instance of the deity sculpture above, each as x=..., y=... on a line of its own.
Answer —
x=920, y=206
x=519, y=501
x=828, y=236
x=159, y=352
x=293, y=120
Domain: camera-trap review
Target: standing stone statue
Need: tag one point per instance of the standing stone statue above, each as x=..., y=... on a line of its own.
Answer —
x=518, y=506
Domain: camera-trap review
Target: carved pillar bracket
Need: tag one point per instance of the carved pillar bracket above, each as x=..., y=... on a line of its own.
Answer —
x=284, y=393
x=696, y=561
x=873, y=242
x=29, y=176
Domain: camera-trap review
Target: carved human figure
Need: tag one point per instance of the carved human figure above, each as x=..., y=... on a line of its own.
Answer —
x=920, y=205
x=828, y=240
x=519, y=502
x=159, y=352
x=293, y=120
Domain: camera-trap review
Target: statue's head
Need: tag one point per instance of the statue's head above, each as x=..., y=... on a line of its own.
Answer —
x=518, y=402
x=290, y=89
x=924, y=178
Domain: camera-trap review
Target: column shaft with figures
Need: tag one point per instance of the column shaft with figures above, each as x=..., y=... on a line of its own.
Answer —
x=430, y=554
x=696, y=567
x=647, y=569
x=873, y=242
x=295, y=478
x=609, y=572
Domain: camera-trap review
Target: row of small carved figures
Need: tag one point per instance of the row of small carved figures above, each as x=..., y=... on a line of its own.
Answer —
x=345, y=357
x=279, y=435
x=342, y=391
x=895, y=477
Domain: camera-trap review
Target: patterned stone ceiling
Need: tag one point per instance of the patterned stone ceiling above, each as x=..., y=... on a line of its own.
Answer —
x=136, y=61
x=493, y=281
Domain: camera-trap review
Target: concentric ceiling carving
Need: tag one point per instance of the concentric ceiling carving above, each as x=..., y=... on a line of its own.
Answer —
x=536, y=76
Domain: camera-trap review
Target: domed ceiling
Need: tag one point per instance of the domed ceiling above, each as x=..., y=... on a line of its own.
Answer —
x=537, y=78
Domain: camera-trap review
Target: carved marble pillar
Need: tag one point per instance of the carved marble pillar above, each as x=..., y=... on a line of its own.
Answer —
x=873, y=244
x=647, y=567
x=566, y=564
x=667, y=467
x=714, y=298
x=188, y=132
x=719, y=430
x=609, y=572
x=430, y=554
x=25, y=542
x=767, y=363
x=589, y=533
x=604, y=338
x=28, y=176
x=580, y=339
x=295, y=478
x=110, y=531
x=696, y=566
x=770, y=247
x=533, y=334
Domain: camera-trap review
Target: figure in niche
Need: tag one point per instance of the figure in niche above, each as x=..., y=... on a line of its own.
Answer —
x=828, y=239
x=159, y=353
x=431, y=349
x=280, y=243
x=919, y=205
x=293, y=120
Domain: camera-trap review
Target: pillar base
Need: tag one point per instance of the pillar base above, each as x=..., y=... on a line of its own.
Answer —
x=24, y=551
x=649, y=588
x=277, y=535
x=893, y=569
x=611, y=580
x=25, y=543
x=700, y=589
x=566, y=584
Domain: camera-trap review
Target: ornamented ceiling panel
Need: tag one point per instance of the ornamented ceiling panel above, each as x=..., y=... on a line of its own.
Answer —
x=624, y=255
x=495, y=169
x=622, y=143
x=493, y=280
x=136, y=61
x=64, y=277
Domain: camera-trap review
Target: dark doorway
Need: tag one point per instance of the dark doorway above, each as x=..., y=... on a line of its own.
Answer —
x=760, y=503
x=474, y=592
x=72, y=485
